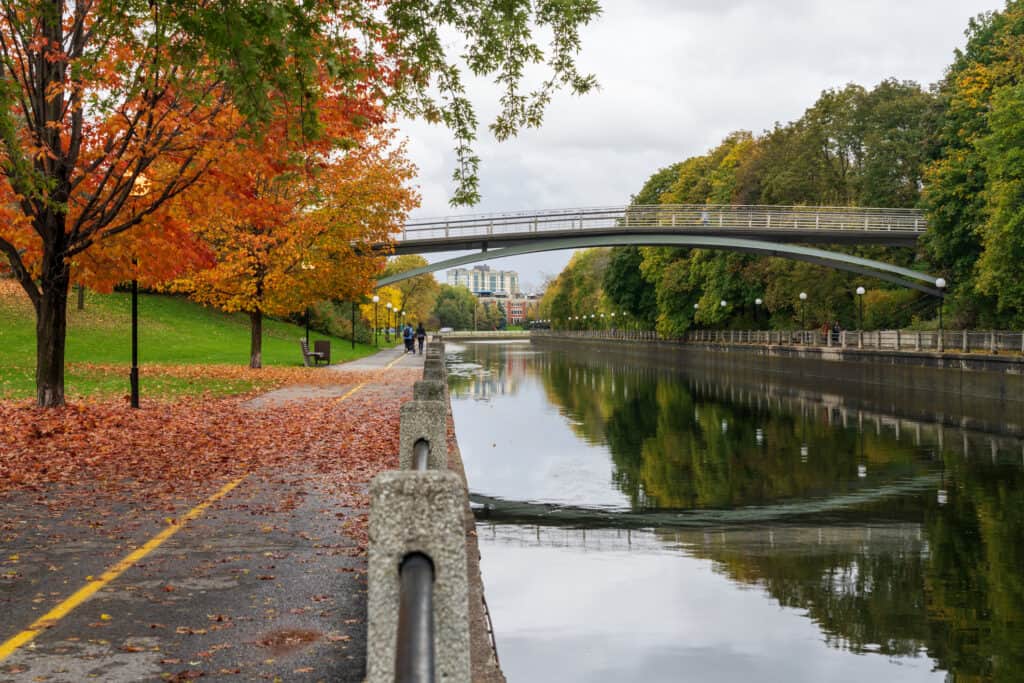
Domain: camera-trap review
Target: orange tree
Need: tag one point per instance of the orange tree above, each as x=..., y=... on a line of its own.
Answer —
x=112, y=109
x=291, y=221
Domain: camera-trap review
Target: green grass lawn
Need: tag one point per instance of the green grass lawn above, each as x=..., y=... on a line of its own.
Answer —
x=172, y=331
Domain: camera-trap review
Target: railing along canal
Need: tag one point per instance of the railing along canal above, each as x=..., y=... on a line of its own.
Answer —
x=418, y=626
x=681, y=217
x=964, y=341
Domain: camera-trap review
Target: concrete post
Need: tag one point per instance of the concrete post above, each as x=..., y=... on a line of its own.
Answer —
x=992, y=342
x=427, y=420
x=897, y=340
x=434, y=371
x=428, y=390
x=418, y=512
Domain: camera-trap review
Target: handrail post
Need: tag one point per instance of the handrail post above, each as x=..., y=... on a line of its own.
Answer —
x=414, y=651
x=417, y=513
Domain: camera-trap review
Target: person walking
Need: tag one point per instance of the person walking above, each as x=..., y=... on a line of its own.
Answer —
x=407, y=336
x=421, y=337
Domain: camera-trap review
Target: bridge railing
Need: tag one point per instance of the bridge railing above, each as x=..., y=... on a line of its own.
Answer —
x=681, y=217
x=964, y=341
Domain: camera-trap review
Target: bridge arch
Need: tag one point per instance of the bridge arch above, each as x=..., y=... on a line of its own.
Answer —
x=906, y=277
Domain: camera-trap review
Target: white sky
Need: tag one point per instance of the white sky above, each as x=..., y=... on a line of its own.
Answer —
x=676, y=76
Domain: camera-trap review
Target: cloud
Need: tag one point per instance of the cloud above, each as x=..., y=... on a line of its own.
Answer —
x=675, y=78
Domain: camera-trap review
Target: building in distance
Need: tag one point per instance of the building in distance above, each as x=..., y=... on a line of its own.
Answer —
x=498, y=288
x=483, y=281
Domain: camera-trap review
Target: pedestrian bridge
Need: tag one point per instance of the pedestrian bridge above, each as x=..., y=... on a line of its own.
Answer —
x=783, y=231
x=780, y=224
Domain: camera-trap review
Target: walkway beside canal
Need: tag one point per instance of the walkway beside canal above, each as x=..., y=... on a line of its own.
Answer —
x=260, y=575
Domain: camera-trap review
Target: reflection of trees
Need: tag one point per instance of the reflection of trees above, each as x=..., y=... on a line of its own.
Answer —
x=976, y=573
x=957, y=594
x=673, y=449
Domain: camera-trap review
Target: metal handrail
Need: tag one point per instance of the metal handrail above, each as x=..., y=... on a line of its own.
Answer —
x=414, y=651
x=677, y=217
x=420, y=455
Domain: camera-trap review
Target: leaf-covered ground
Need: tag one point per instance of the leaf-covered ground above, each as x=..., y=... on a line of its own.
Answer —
x=279, y=559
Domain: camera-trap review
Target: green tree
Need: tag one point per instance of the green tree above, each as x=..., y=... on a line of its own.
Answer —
x=999, y=268
x=959, y=195
x=577, y=291
x=417, y=295
x=625, y=287
x=454, y=307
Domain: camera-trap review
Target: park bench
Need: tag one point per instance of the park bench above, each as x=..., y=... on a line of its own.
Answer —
x=317, y=355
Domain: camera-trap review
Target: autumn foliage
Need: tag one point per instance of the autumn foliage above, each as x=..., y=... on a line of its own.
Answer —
x=290, y=220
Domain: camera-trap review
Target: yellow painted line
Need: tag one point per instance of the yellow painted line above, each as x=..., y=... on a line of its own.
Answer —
x=351, y=391
x=89, y=589
x=49, y=619
x=363, y=384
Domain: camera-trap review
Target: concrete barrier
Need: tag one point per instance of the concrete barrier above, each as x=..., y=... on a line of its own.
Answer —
x=418, y=512
x=428, y=390
x=427, y=420
x=434, y=371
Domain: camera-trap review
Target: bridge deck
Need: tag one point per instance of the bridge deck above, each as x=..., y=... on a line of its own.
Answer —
x=789, y=224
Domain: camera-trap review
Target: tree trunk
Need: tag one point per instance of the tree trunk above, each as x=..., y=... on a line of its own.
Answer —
x=51, y=328
x=256, y=340
x=81, y=297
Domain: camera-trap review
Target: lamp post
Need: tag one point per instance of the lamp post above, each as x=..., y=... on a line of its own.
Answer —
x=722, y=304
x=140, y=188
x=133, y=374
x=803, y=311
x=757, y=307
x=860, y=307
x=941, y=284
x=376, y=330
x=387, y=323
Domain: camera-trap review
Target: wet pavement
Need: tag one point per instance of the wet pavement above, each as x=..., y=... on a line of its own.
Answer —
x=264, y=585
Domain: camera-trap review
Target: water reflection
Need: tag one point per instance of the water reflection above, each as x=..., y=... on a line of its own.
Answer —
x=889, y=536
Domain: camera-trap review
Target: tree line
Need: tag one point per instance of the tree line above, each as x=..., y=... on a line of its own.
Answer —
x=953, y=150
x=242, y=152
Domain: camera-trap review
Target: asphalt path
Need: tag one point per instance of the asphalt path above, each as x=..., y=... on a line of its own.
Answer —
x=262, y=582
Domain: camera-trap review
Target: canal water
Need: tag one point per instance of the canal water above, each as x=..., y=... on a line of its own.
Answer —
x=670, y=520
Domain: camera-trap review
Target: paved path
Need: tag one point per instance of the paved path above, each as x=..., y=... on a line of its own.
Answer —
x=263, y=584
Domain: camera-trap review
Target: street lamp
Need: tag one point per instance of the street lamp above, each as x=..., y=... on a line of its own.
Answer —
x=941, y=284
x=133, y=374
x=140, y=188
x=376, y=330
x=757, y=305
x=387, y=324
x=860, y=307
x=803, y=310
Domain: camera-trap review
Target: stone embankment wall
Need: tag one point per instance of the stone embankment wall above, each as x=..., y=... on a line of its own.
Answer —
x=973, y=391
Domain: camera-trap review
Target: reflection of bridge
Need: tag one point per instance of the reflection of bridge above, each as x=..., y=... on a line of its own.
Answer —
x=778, y=538
x=763, y=230
x=548, y=514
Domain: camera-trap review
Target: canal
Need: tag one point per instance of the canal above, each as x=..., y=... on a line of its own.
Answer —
x=667, y=519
